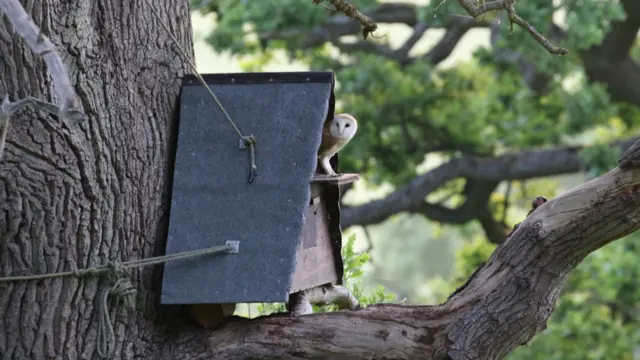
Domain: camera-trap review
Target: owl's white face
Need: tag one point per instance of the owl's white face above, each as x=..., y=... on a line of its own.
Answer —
x=343, y=126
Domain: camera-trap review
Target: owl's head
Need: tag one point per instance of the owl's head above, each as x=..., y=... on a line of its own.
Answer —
x=343, y=126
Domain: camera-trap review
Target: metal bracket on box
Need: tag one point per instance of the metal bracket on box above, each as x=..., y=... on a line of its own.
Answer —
x=235, y=246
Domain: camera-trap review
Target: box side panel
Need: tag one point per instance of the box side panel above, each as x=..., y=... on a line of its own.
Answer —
x=316, y=264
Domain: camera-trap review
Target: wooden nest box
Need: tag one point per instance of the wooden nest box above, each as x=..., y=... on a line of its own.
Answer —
x=287, y=221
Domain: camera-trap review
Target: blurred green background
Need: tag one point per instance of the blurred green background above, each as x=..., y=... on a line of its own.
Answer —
x=433, y=86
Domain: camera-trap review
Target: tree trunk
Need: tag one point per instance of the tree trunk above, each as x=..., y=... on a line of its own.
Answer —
x=99, y=192
x=93, y=193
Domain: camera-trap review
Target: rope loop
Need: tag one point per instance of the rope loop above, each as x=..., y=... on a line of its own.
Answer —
x=250, y=142
x=121, y=289
x=123, y=292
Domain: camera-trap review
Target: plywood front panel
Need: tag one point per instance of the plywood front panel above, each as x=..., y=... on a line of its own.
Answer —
x=315, y=263
x=212, y=202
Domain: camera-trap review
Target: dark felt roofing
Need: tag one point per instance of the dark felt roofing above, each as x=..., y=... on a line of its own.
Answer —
x=212, y=201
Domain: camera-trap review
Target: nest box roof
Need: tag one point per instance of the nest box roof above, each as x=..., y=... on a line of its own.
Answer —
x=212, y=201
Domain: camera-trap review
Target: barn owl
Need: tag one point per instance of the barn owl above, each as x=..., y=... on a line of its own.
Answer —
x=335, y=135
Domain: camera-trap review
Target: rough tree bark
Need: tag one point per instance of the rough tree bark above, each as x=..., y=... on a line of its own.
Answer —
x=85, y=196
x=93, y=193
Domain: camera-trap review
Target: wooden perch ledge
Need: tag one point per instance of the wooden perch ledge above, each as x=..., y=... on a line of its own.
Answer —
x=504, y=304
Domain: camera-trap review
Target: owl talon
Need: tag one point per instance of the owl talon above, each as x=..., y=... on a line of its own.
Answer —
x=326, y=166
x=330, y=172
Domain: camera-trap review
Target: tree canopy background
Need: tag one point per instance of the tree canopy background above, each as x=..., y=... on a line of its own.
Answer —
x=417, y=110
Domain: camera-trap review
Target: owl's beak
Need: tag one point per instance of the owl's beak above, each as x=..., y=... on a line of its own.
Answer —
x=341, y=127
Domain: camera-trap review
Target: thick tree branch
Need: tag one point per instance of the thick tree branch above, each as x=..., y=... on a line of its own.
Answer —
x=515, y=166
x=630, y=158
x=474, y=208
x=610, y=62
x=477, y=196
x=504, y=304
x=369, y=47
x=493, y=230
x=416, y=35
x=621, y=37
x=455, y=31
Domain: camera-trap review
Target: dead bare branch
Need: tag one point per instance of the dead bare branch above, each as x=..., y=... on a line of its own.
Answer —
x=508, y=5
x=367, y=24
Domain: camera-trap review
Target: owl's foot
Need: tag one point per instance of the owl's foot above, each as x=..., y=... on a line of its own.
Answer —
x=326, y=166
x=331, y=173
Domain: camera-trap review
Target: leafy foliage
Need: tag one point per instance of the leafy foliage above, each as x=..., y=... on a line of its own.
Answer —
x=353, y=263
x=600, y=159
x=409, y=110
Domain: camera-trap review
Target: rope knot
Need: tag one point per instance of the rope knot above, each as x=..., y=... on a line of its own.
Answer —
x=116, y=270
x=120, y=287
x=123, y=291
x=249, y=140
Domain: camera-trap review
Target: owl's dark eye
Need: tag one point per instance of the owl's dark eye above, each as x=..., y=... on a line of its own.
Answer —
x=347, y=125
